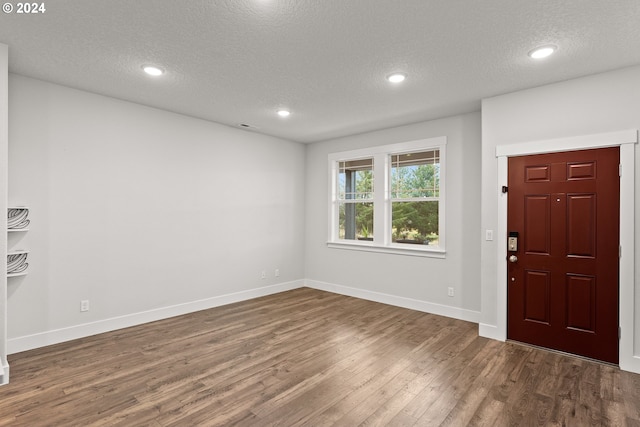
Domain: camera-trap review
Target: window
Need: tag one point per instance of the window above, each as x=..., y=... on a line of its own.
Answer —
x=389, y=198
x=415, y=194
x=355, y=199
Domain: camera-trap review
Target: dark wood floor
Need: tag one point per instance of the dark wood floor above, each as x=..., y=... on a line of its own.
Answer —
x=307, y=357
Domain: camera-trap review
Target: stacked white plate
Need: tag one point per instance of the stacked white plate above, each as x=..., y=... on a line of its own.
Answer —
x=17, y=263
x=17, y=218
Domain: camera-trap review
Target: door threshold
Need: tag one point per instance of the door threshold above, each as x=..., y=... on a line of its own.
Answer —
x=563, y=353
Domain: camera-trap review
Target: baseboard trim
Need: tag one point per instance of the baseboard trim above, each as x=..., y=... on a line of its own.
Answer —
x=29, y=342
x=4, y=379
x=410, y=303
x=490, y=331
x=630, y=364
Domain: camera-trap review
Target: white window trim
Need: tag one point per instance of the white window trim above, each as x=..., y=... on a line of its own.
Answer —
x=382, y=197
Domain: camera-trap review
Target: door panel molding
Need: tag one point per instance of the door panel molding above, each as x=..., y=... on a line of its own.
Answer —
x=626, y=139
x=580, y=292
x=581, y=225
x=537, y=286
x=538, y=173
x=580, y=171
x=537, y=236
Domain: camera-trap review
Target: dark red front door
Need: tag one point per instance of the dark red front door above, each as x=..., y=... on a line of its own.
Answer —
x=563, y=288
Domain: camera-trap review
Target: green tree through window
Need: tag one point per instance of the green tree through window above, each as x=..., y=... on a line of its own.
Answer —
x=415, y=190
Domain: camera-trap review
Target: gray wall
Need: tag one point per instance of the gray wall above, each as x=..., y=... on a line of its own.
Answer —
x=143, y=212
x=417, y=281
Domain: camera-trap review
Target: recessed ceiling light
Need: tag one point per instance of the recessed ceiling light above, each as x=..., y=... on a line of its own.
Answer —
x=153, y=71
x=542, y=52
x=283, y=113
x=396, y=77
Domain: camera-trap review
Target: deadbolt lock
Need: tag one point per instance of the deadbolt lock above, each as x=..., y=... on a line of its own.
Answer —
x=512, y=241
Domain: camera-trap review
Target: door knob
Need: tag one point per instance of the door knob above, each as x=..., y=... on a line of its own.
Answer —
x=513, y=258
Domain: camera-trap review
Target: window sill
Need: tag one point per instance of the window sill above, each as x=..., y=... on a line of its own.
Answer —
x=396, y=249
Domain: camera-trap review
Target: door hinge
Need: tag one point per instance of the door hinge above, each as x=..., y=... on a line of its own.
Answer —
x=620, y=251
x=505, y=189
x=620, y=169
x=619, y=333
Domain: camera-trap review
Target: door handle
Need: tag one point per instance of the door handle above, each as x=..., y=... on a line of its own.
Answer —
x=513, y=258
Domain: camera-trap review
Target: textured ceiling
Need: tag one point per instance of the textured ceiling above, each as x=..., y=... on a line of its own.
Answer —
x=237, y=61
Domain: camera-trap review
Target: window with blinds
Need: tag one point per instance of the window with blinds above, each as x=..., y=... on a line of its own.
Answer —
x=355, y=195
x=389, y=198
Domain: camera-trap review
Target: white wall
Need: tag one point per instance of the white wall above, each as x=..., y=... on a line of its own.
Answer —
x=410, y=281
x=602, y=103
x=143, y=212
x=4, y=60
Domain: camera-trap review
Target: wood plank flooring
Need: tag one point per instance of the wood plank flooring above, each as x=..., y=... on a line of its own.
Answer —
x=307, y=357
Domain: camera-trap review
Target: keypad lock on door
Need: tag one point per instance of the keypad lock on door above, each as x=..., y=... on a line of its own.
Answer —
x=512, y=241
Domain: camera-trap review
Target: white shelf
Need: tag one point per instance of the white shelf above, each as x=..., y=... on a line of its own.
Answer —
x=24, y=273
x=17, y=252
x=18, y=217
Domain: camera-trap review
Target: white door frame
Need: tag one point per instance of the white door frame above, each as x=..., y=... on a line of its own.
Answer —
x=626, y=140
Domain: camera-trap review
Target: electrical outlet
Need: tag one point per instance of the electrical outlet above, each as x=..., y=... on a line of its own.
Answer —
x=84, y=305
x=277, y=272
x=450, y=291
x=264, y=274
